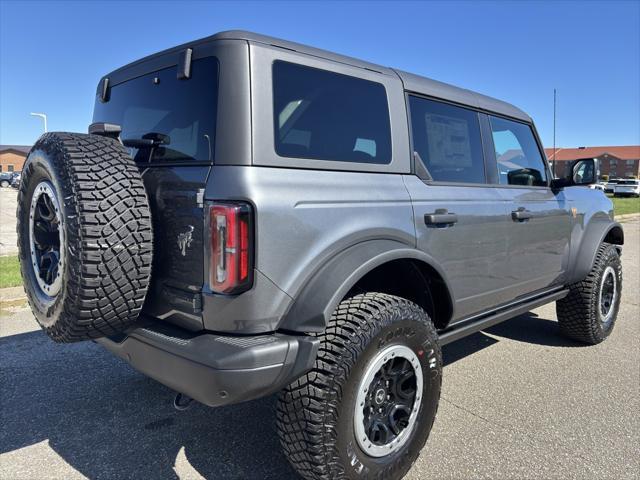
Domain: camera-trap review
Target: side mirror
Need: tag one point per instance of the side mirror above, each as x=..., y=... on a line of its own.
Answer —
x=583, y=172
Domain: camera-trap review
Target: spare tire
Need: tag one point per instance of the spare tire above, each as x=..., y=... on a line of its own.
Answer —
x=84, y=236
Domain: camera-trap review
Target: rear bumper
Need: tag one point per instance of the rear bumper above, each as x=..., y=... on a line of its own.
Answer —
x=213, y=369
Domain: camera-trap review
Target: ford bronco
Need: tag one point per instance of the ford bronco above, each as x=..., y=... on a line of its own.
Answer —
x=248, y=216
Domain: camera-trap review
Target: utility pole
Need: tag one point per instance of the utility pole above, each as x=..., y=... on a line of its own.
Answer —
x=44, y=118
x=555, y=152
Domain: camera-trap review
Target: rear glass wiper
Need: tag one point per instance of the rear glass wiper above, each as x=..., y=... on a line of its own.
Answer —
x=148, y=140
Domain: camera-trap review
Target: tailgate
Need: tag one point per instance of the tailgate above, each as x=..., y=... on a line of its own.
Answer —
x=178, y=228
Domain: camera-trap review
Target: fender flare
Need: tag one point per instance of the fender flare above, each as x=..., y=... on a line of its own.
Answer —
x=597, y=231
x=320, y=295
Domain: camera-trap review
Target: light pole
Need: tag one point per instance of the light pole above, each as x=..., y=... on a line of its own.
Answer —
x=44, y=118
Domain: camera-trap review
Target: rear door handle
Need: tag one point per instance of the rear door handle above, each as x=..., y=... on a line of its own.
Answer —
x=521, y=215
x=441, y=217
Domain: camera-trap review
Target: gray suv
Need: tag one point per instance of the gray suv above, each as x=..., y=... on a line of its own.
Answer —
x=248, y=215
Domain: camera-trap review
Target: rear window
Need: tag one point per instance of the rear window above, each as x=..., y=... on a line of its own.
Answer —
x=323, y=115
x=159, y=103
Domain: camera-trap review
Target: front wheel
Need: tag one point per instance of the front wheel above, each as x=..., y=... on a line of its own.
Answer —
x=366, y=408
x=4, y=184
x=588, y=313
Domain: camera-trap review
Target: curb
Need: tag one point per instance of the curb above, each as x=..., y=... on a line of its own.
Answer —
x=12, y=294
x=628, y=216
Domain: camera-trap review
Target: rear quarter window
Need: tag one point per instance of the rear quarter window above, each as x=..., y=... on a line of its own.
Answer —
x=322, y=115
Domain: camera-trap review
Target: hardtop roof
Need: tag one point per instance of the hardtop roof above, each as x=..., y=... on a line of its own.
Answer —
x=412, y=82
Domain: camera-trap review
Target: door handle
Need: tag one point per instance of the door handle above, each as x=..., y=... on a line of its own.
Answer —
x=521, y=215
x=440, y=218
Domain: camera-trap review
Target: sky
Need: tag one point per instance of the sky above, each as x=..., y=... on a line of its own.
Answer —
x=53, y=53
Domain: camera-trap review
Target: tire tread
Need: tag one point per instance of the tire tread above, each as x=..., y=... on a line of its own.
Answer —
x=108, y=235
x=307, y=410
x=576, y=312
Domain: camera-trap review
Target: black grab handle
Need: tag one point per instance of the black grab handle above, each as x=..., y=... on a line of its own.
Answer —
x=440, y=217
x=521, y=215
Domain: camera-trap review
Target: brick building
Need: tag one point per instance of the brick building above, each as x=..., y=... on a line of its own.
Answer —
x=616, y=162
x=12, y=157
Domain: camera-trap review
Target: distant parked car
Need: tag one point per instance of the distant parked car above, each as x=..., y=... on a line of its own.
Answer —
x=627, y=188
x=610, y=186
x=5, y=179
x=15, y=179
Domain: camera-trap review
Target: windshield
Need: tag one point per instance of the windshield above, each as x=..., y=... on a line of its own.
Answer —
x=627, y=182
x=159, y=104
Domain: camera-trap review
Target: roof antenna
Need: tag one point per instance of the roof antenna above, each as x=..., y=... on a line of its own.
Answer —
x=555, y=152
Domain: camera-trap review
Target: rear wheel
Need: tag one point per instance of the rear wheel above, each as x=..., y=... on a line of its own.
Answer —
x=366, y=409
x=588, y=313
x=84, y=236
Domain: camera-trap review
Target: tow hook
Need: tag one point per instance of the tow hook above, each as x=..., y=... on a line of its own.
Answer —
x=181, y=402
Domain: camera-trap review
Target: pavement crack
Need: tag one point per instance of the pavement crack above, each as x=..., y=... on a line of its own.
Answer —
x=470, y=412
x=531, y=438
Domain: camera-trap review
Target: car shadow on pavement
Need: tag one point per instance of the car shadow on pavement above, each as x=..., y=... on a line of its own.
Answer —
x=107, y=421
x=528, y=328
x=531, y=328
x=465, y=347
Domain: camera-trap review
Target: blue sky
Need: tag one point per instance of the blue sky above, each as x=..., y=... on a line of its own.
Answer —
x=53, y=53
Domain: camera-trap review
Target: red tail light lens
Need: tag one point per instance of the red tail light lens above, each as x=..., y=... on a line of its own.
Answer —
x=231, y=268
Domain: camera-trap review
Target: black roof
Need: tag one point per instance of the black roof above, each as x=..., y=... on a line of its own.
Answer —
x=411, y=82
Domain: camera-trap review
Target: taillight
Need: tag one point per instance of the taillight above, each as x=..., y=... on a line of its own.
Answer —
x=231, y=268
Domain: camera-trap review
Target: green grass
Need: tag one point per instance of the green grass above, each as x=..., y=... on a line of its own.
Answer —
x=625, y=205
x=10, y=272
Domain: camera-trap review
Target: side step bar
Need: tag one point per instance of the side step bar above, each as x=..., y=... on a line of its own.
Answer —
x=467, y=328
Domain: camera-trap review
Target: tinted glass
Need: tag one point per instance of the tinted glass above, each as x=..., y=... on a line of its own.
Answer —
x=327, y=116
x=584, y=173
x=517, y=153
x=447, y=139
x=158, y=102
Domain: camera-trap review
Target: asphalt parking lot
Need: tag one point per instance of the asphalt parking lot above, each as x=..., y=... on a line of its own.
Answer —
x=518, y=401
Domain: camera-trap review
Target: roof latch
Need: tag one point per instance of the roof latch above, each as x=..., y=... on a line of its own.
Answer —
x=184, y=64
x=104, y=90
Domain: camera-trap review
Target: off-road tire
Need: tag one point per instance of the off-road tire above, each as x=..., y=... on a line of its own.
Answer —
x=106, y=222
x=315, y=414
x=578, y=313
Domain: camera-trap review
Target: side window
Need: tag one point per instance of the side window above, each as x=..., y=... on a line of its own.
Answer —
x=447, y=139
x=323, y=115
x=517, y=153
